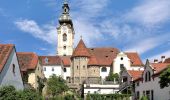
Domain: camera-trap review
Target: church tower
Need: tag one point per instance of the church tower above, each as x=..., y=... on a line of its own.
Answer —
x=65, y=32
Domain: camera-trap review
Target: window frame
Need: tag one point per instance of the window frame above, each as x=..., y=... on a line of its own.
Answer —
x=103, y=69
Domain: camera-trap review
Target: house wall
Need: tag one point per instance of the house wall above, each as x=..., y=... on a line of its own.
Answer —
x=103, y=75
x=93, y=71
x=67, y=73
x=101, y=89
x=33, y=74
x=117, y=61
x=7, y=77
x=159, y=94
x=57, y=70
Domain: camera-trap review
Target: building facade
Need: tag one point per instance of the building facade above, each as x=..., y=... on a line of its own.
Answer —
x=9, y=67
x=148, y=84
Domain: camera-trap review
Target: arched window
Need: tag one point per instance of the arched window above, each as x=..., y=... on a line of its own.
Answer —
x=64, y=37
x=64, y=47
x=104, y=69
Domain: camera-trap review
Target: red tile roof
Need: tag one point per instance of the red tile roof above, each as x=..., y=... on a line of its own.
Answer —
x=5, y=51
x=135, y=74
x=27, y=60
x=135, y=59
x=81, y=50
x=66, y=61
x=52, y=60
x=104, y=56
x=93, y=60
x=159, y=67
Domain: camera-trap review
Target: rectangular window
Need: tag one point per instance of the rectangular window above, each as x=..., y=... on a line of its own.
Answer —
x=148, y=94
x=44, y=68
x=121, y=66
x=65, y=70
x=169, y=95
x=152, y=95
x=137, y=84
x=137, y=95
x=143, y=92
x=52, y=69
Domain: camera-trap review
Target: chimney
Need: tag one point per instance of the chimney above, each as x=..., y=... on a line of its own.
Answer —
x=162, y=58
x=155, y=60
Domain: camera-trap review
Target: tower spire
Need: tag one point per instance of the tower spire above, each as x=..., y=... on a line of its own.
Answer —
x=65, y=16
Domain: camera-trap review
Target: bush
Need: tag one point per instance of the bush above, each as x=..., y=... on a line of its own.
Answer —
x=10, y=93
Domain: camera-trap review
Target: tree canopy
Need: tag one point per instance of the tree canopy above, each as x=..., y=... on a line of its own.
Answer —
x=112, y=77
x=165, y=78
x=56, y=85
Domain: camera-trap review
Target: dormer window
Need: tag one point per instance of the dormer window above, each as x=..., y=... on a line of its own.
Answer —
x=147, y=76
x=46, y=60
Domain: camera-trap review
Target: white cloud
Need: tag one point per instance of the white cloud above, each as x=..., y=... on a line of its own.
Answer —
x=145, y=45
x=46, y=33
x=83, y=20
x=158, y=56
x=150, y=12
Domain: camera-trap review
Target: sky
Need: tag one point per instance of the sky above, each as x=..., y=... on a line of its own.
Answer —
x=141, y=26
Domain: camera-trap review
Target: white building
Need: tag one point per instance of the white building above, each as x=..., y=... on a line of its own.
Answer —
x=128, y=60
x=51, y=65
x=66, y=68
x=9, y=67
x=101, y=88
x=149, y=85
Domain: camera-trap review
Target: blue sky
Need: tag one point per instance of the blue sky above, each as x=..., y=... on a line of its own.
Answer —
x=130, y=25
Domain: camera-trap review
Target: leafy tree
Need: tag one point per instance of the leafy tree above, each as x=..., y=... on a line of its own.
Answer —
x=113, y=77
x=8, y=93
x=56, y=85
x=165, y=78
x=29, y=94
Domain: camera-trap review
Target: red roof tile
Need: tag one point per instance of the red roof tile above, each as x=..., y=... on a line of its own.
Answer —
x=135, y=74
x=52, y=60
x=5, y=51
x=104, y=56
x=66, y=61
x=93, y=60
x=135, y=59
x=27, y=60
x=159, y=67
x=81, y=50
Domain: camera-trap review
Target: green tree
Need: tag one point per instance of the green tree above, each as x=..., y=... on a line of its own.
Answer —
x=8, y=93
x=113, y=77
x=165, y=78
x=56, y=85
x=29, y=94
